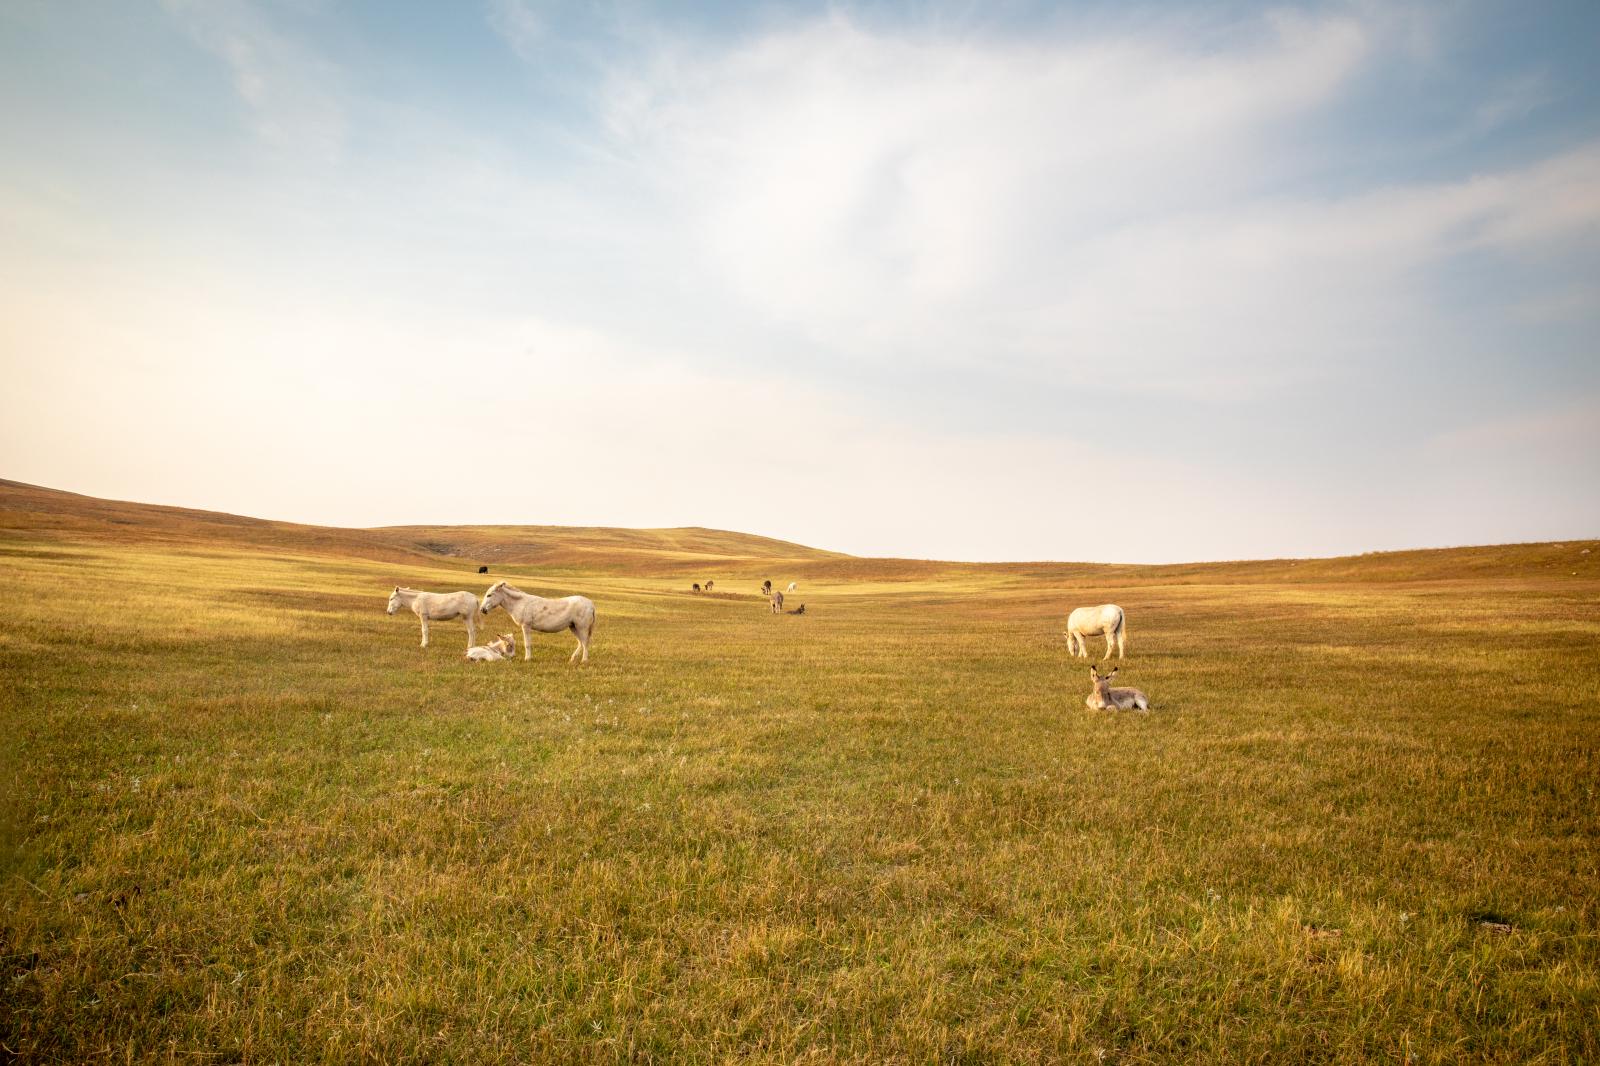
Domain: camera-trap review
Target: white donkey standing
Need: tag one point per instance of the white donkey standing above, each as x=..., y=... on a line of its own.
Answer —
x=1105, y=620
x=438, y=607
x=545, y=616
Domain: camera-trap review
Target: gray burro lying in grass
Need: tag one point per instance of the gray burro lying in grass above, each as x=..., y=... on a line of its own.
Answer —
x=1106, y=698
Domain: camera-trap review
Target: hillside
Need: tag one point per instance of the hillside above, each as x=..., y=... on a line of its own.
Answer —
x=34, y=512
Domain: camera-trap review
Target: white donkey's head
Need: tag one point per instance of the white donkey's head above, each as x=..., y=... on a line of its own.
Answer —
x=495, y=597
x=394, y=600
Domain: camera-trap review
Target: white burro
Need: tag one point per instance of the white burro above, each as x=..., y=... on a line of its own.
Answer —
x=438, y=607
x=1105, y=620
x=537, y=614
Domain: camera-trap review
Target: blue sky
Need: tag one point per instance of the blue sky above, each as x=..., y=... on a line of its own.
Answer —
x=986, y=281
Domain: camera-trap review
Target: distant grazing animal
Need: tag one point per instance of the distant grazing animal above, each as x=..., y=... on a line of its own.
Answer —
x=535, y=613
x=438, y=607
x=1105, y=620
x=696, y=586
x=792, y=586
x=799, y=610
x=766, y=588
x=777, y=603
x=483, y=569
x=1106, y=698
x=710, y=585
x=502, y=647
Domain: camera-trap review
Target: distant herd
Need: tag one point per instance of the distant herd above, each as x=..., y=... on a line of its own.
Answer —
x=577, y=615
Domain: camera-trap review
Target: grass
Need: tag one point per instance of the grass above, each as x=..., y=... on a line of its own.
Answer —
x=248, y=819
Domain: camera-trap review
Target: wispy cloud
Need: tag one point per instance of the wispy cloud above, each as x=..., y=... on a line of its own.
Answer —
x=1512, y=100
x=520, y=24
x=1104, y=207
x=291, y=90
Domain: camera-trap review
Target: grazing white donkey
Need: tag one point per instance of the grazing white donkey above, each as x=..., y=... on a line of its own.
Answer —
x=1106, y=698
x=438, y=607
x=1105, y=620
x=792, y=586
x=545, y=616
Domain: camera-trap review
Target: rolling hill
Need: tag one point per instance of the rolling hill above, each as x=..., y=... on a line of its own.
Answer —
x=31, y=511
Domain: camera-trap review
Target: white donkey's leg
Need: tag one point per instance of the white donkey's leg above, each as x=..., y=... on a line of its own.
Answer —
x=424, y=631
x=527, y=644
x=1111, y=640
x=583, y=643
x=472, y=627
x=1075, y=642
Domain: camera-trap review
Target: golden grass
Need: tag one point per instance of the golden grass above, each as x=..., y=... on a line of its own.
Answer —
x=248, y=819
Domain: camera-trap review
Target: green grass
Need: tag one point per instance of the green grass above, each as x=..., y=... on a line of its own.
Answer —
x=248, y=819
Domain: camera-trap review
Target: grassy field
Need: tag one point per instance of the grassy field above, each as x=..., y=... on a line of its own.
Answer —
x=248, y=819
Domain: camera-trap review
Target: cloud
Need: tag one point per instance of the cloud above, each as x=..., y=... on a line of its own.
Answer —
x=1512, y=100
x=522, y=27
x=844, y=179
x=291, y=91
x=1099, y=207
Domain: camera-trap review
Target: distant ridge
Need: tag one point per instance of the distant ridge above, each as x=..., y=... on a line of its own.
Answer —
x=34, y=509
x=32, y=512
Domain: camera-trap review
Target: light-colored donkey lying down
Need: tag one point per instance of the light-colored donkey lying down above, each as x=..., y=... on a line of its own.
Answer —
x=1106, y=698
x=502, y=647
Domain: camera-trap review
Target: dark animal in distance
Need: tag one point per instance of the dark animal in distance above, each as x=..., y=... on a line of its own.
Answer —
x=710, y=585
x=766, y=588
x=483, y=569
x=696, y=586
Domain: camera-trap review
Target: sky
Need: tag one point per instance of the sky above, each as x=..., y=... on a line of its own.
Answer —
x=987, y=281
